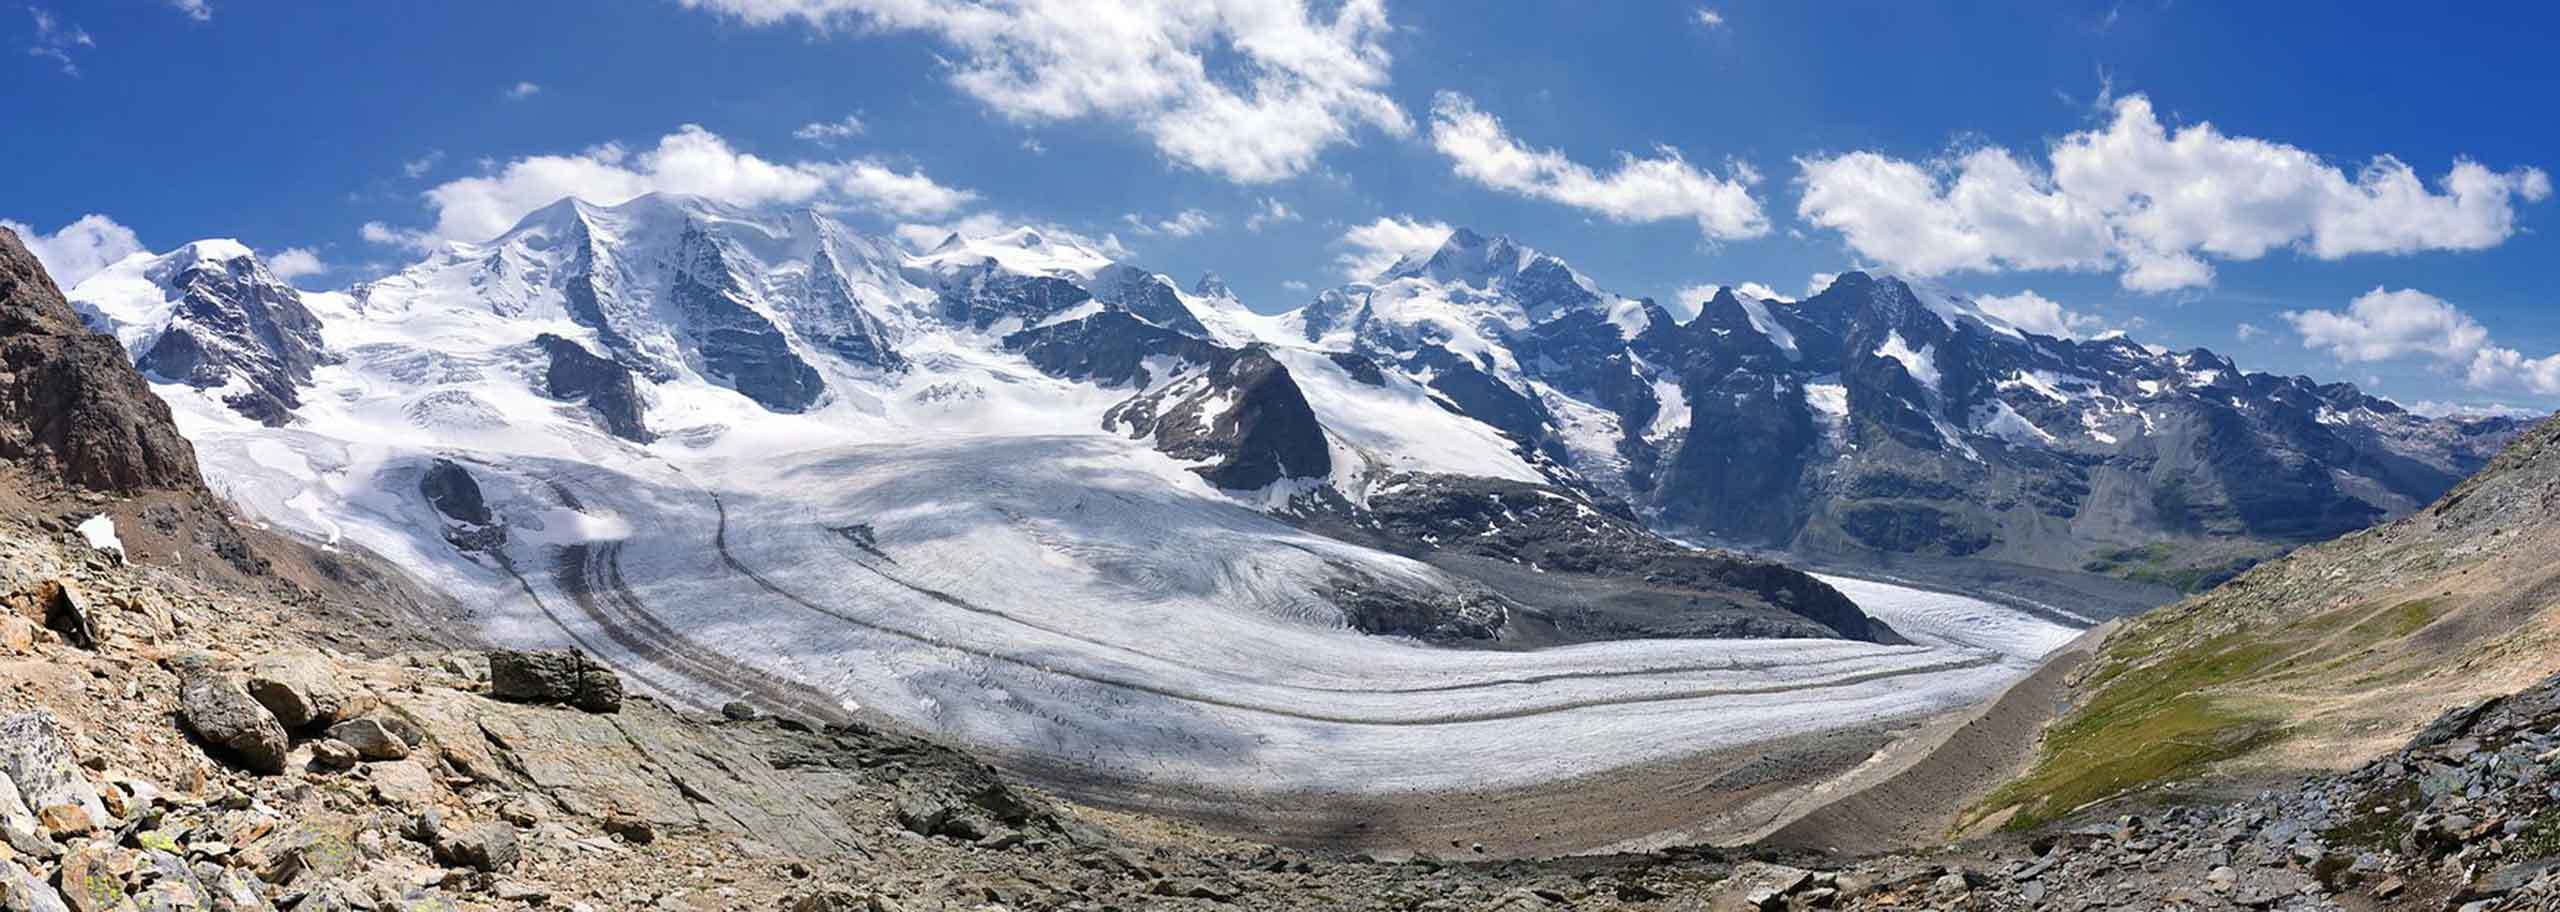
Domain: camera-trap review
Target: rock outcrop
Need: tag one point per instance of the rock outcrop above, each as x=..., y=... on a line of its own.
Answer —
x=604, y=385
x=233, y=324
x=71, y=404
x=563, y=677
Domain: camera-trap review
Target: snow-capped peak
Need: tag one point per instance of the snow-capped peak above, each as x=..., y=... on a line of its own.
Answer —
x=1212, y=285
x=209, y=249
x=1025, y=250
x=1467, y=258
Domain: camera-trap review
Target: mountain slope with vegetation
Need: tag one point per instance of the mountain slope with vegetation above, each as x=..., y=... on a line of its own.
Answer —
x=2324, y=658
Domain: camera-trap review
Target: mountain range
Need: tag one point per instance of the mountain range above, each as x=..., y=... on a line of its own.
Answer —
x=1877, y=423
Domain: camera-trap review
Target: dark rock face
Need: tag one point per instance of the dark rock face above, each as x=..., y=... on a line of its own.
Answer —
x=1148, y=296
x=1236, y=406
x=233, y=319
x=71, y=406
x=985, y=296
x=606, y=385
x=450, y=488
x=1588, y=568
x=1267, y=432
x=554, y=677
x=739, y=346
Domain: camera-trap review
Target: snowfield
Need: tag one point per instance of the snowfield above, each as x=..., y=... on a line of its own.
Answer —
x=1071, y=596
x=961, y=545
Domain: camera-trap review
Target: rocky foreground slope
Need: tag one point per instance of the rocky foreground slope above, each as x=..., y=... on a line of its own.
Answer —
x=171, y=744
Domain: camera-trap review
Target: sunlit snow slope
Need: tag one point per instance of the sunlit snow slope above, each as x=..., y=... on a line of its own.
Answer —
x=855, y=491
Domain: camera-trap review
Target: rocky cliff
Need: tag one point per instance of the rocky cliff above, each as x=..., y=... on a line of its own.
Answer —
x=72, y=408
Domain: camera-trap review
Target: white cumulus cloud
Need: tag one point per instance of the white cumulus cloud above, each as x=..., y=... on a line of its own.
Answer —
x=1250, y=90
x=2152, y=203
x=691, y=161
x=1640, y=190
x=2038, y=314
x=295, y=262
x=198, y=10
x=1707, y=16
x=1369, y=249
x=523, y=90
x=2384, y=324
x=78, y=250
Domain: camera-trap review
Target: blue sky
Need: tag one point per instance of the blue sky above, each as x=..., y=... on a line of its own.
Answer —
x=2052, y=149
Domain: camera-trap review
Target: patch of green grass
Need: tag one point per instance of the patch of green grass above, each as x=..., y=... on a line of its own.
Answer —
x=2147, y=723
x=2175, y=738
x=2399, y=621
x=2541, y=837
x=2161, y=564
x=2163, y=704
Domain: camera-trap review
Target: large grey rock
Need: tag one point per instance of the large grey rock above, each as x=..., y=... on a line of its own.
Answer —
x=301, y=691
x=89, y=881
x=219, y=711
x=646, y=764
x=18, y=826
x=22, y=891
x=38, y=761
x=489, y=846
x=164, y=883
x=557, y=676
x=371, y=740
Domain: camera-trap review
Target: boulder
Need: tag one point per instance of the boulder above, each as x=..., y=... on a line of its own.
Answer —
x=489, y=847
x=370, y=738
x=22, y=891
x=300, y=690
x=89, y=880
x=17, y=635
x=403, y=783
x=67, y=612
x=333, y=755
x=555, y=676
x=219, y=711
x=36, y=758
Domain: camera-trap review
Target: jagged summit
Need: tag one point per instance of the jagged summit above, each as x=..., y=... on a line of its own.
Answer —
x=210, y=315
x=1212, y=285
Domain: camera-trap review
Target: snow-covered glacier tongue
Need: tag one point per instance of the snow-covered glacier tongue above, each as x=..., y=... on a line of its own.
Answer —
x=1134, y=539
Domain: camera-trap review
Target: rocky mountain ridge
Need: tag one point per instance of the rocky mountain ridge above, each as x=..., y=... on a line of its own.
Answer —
x=1875, y=424
x=1878, y=423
